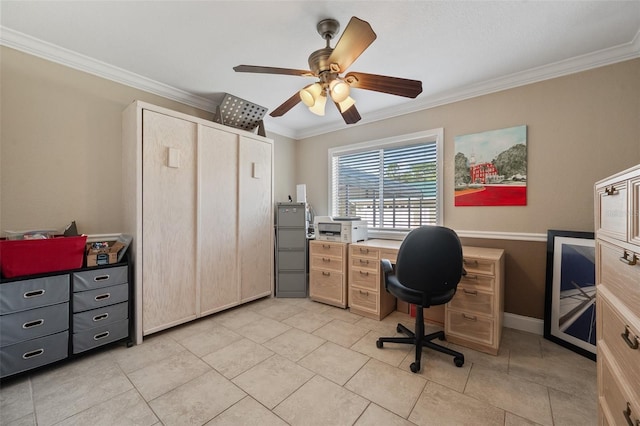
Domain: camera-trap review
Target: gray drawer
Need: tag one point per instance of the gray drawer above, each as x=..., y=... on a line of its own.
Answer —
x=291, y=215
x=99, y=317
x=99, y=336
x=100, y=297
x=292, y=238
x=98, y=278
x=33, y=353
x=21, y=295
x=291, y=284
x=26, y=325
x=291, y=260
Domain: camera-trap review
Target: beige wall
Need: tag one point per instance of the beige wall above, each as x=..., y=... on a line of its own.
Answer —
x=60, y=152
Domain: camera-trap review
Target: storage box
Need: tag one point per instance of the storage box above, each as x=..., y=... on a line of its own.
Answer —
x=28, y=257
x=103, y=253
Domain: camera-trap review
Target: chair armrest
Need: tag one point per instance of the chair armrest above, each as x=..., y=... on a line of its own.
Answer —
x=386, y=265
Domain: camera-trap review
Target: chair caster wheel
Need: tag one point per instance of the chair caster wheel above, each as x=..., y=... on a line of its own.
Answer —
x=459, y=362
x=378, y=344
x=414, y=367
x=442, y=338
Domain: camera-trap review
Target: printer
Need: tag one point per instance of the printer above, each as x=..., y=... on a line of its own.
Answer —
x=340, y=229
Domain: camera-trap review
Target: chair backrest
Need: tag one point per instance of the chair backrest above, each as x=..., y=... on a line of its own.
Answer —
x=430, y=260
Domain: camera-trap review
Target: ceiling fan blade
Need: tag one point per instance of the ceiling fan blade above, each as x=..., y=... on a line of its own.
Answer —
x=380, y=83
x=286, y=106
x=272, y=70
x=351, y=115
x=355, y=39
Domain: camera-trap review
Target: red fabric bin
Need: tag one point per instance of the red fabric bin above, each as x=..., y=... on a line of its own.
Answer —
x=27, y=257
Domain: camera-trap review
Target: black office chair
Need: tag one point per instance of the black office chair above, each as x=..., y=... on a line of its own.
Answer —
x=428, y=269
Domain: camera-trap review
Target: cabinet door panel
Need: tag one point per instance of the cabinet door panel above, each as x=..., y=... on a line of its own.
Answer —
x=169, y=218
x=255, y=212
x=218, y=200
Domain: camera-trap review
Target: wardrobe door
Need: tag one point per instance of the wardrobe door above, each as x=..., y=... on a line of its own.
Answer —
x=169, y=221
x=255, y=210
x=217, y=235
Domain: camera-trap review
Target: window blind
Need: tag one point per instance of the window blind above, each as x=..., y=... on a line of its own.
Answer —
x=391, y=188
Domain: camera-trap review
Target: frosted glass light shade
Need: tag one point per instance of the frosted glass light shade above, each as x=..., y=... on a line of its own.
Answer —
x=318, y=107
x=339, y=90
x=309, y=95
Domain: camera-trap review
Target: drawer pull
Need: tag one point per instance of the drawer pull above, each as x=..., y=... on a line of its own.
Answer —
x=610, y=191
x=365, y=251
x=470, y=277
x=100, y=297
x=326, y=259
x=469, y=317
x=470, y=292
x=364, y=261
x=326, y=274
x=470, y=262
x=31, y=324
x=101, y=278
x=632, y=343
x=630, y=262
x=32, y=354
x=33, y=293
x=101, y=317
x=627, y=415
x=101, y=335
x=366, y=274
x=365, y=293
x=326, y=246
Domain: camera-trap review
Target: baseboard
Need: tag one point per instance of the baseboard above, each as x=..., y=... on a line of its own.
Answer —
x=522, y=323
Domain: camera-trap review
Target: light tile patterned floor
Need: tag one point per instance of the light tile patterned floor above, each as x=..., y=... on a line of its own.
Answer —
x=298, y=362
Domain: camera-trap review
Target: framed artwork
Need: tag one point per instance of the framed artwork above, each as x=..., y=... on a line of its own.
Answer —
x=491, y=168
x=570, y=294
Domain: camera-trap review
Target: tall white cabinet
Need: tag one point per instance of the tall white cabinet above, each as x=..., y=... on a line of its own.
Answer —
x=198, y=201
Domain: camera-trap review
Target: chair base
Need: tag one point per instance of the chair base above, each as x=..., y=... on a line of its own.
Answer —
x=424, y=341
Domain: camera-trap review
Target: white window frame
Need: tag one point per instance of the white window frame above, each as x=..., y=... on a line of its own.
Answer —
x=426, y=136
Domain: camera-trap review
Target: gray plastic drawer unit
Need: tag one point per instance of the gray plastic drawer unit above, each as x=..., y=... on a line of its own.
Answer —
x=34, y=353
x=18, y=296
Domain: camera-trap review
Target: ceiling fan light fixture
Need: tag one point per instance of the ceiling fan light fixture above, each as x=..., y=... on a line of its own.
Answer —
x=318, y=106
x=339, y=90
x=309, y=95
x=346, y=104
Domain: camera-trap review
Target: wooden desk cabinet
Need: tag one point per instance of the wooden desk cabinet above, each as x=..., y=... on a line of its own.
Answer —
x=617, y=225
x=328, y=272
x=473, y=318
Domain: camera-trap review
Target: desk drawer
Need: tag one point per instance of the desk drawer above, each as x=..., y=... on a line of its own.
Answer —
x=619, y=277
x=325, y=248
x=365, y=263
x=612, y=210
x=33, y=353
x=327, y=285
x=472, y=300
x=479, y=266
x=99, y=317
x=99, y=336
x=368, y=252
x=100, y=297
x=368, y=279
x=478, y=282
x=98, y=278
x=34, y=323
x=363, y=299
x=18, y=296
x=471, y=327
x=326, y=263
x=620, y=406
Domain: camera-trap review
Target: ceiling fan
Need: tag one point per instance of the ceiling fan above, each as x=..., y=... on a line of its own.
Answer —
x=327, y=64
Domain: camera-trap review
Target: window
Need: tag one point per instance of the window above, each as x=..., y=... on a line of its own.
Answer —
x=394, y=184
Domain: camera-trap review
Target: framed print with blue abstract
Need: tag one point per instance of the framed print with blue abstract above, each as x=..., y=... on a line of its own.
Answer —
x=570, y=294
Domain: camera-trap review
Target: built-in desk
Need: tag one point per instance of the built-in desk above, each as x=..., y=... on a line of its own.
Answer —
x=473, y=318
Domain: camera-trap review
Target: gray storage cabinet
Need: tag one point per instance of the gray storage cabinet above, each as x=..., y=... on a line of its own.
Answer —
x=291, y=250
x=47, y=318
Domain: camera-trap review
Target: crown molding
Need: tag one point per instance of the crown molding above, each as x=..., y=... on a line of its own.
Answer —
x=31, y=45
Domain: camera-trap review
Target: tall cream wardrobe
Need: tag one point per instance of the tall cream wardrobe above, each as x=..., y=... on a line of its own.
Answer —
x=198, y=202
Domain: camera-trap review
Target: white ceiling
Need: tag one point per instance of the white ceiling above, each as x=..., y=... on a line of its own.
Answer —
x=458, y=49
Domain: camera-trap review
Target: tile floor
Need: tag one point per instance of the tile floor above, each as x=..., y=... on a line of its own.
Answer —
x=298, y=362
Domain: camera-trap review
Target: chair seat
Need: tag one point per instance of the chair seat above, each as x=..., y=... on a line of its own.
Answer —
x=416, y=297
